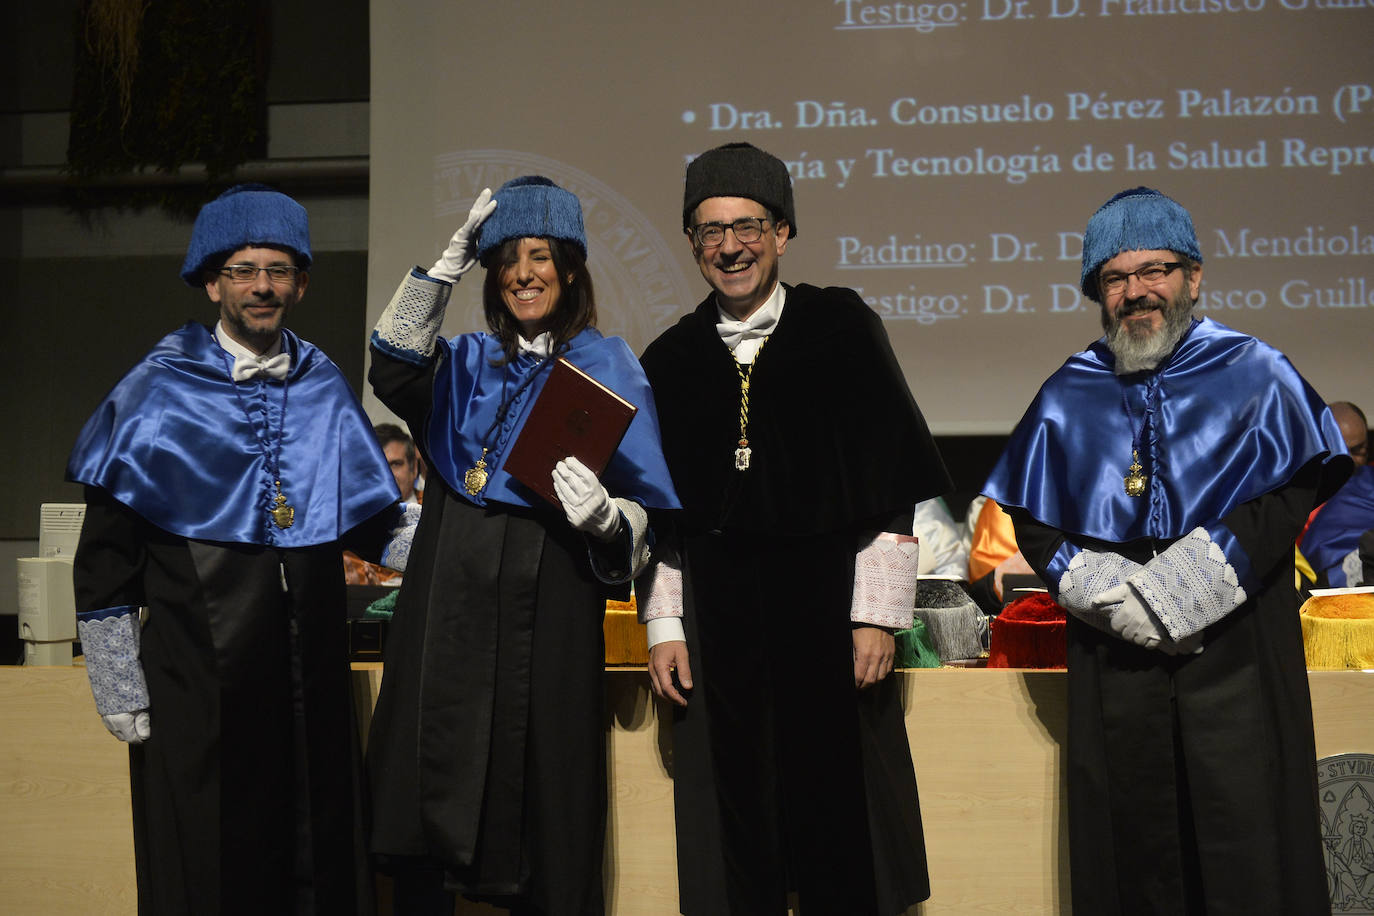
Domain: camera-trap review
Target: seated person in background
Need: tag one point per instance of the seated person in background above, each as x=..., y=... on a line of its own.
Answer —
x=1354, y=430
x=1308, y=574
x=942, y=551
x=993, y=555
x=1343, y=525
x=400, y=453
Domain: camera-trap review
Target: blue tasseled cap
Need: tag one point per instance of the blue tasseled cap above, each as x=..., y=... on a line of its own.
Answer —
x=246, y=214
x=532, y=206
x=1140, y=219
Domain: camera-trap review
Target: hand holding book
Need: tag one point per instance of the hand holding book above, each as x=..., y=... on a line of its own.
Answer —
x=585, y=501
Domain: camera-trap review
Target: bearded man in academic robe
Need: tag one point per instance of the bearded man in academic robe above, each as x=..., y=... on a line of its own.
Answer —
x=1156, y=484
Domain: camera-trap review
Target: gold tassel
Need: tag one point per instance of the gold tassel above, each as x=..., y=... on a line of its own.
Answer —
x=1338, y=631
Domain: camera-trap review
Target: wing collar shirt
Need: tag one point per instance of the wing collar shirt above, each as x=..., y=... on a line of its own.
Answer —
x=743, y=338
x=274, y=363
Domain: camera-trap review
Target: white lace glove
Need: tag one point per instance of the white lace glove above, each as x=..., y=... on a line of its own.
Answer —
x=461, y=254
x=585, y=501
x=129, y=727
x=1132, y=620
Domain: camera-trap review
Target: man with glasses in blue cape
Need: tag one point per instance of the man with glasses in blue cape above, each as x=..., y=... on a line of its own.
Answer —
x=1157, y=483
x=224, y=474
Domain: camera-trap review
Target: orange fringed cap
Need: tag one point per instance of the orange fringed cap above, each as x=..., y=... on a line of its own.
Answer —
x=1338, y=630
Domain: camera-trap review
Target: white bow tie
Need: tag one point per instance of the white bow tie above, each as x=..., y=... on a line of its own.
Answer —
x=539, y=346
x=249, y=367
x=756, y=327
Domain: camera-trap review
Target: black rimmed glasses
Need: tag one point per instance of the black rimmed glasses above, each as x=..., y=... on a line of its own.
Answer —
x=246, y=273
x=746, y=229
x=1151, y=275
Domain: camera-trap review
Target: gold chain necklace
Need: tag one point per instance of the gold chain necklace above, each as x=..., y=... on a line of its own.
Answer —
x=282, y=513
x=743, y=451
x=1134, y=481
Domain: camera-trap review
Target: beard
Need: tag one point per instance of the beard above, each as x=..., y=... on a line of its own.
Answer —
x=1138, y=349
x=256, y=332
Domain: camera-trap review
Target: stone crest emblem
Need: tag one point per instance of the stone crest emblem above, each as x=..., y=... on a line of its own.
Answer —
x=1345, y=792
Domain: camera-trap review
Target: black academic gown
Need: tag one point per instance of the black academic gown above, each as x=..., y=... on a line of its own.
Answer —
x=1192, y=779
x=784, y=776
x=487, y=754
x=246, y=797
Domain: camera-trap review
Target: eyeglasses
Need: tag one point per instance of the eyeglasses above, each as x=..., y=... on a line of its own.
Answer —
x=746, y=230
x=245, y=273
x=1150, y=275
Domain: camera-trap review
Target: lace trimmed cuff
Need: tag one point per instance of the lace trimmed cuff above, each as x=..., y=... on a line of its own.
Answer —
x=396, y=553
x=1089, y=574
x=110, y=639
x=658, y=590
x=1352, y=567
x=885, y=572
x=618, y=560
x=1191, y=585
x=409, y=326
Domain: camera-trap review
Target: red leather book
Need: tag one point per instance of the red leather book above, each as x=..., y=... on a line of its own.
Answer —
x=574, y=415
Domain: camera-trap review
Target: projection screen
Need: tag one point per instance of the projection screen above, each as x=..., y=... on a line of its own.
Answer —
x=945, y=157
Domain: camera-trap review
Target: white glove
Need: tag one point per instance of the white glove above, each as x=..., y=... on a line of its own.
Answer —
x=461, y=253
x=1132, y=620
x=585, y=501
x=129, y=727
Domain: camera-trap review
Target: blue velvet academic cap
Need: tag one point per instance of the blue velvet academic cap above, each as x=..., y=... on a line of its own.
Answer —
x=246, y=214
x=1140, y=219
x=532, y=206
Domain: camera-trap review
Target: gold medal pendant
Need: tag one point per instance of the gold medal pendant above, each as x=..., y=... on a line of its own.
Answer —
x=742, y=455
x=282, y=514
x=1134, y=480
x=742, y=451
x=476, y=477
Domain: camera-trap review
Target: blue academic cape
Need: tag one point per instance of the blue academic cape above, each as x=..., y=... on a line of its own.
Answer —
x=173, y=441
x=468, y=391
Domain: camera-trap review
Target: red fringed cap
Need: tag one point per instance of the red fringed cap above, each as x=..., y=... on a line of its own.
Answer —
x=1029, y=633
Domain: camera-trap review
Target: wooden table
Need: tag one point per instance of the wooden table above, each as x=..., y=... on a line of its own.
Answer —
x=987, y=744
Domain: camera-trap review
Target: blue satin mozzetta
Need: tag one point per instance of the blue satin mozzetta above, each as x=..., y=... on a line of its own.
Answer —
x=468, y=391
x=1230, y=421
x=1337, y=529
x=172, y=441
